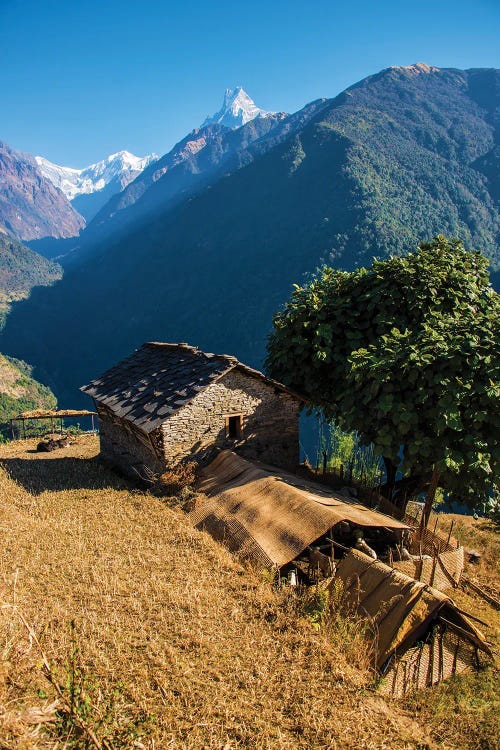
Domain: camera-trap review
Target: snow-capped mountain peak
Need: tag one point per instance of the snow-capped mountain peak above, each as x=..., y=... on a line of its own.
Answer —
x=120, y=168
x=237, y=109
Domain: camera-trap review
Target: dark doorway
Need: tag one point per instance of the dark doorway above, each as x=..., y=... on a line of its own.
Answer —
x=234, y=426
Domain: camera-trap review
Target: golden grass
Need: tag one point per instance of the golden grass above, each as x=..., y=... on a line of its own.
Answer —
x=122, y=627
x=483, y=536
x=465, y=711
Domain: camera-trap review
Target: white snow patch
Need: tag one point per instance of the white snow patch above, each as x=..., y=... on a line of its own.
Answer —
x=237, y=109
x=121, y=167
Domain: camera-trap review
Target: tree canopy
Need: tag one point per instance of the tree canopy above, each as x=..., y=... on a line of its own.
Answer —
x=407, y=353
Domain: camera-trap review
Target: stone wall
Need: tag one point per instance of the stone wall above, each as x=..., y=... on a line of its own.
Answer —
x=270, y=422
x=127, y=448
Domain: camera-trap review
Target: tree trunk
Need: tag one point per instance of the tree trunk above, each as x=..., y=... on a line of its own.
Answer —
x=431, y=494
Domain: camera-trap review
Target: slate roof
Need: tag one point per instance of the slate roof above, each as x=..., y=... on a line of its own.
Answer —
x=158, y=379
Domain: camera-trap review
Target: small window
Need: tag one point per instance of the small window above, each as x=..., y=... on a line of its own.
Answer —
x=234, y=426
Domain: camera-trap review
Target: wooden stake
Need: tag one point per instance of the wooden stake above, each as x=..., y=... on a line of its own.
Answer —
x=435, y=526
x=473, y=617
x=484, y=594
x=451, y=529
x=434, y=563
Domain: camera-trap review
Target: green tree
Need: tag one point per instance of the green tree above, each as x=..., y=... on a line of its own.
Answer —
x=406, y=353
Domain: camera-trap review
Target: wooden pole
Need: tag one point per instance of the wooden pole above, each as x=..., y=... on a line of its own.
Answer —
x=467, y=582
x=449, y=533
x=337, y=544
x=435, y=526
x=434, y=563
x=420, y=565
x=12, y=428
x=473, y=617
x=433, y=485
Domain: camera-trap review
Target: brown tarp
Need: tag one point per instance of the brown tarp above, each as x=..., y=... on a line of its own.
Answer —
x=279, y=511
x=401, y=608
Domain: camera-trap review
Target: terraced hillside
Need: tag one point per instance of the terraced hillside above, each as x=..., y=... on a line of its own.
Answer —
x=122, y=627
x=151, y=636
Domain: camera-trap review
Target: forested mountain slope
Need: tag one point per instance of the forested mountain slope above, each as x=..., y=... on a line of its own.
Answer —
x=20, y=270
x=198, y=161
x=191, y=164
x=20, y=392
x=397, y=158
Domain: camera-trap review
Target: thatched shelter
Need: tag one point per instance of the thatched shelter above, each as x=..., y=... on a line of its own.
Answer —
x=270, y=516
x=421, y=635
x=54, y=417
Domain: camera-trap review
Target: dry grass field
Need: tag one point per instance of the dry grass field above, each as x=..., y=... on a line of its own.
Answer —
x=122, y=627
x=465, y=712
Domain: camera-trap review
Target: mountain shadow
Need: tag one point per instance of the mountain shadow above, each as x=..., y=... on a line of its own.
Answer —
x=391, y=161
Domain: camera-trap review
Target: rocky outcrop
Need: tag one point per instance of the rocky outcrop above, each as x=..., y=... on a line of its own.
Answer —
x=30, y=206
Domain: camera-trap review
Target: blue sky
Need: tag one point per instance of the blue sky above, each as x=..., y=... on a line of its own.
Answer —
x=84, y=78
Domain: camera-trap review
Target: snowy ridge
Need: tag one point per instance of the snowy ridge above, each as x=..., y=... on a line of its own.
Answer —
x=416, y=68
x=237, y=109
x=120, y=168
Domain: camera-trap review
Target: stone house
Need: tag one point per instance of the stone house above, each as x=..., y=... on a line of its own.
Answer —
x=169, y=402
